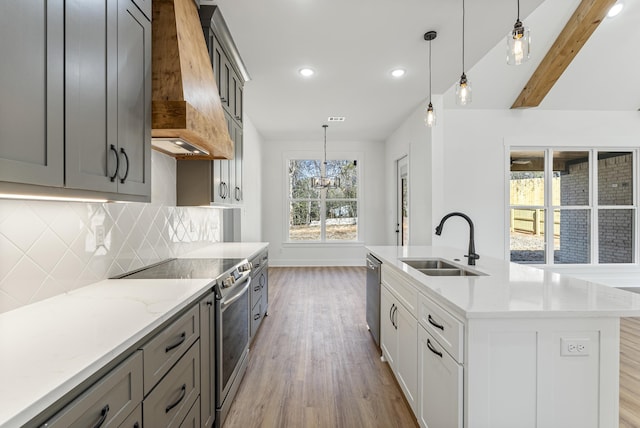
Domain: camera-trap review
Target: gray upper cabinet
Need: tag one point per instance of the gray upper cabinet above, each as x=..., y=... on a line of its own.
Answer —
x=75, y=98
x=31, y=93
x=108, y=93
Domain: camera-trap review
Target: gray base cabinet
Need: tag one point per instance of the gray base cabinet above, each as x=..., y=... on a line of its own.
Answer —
x=109, y=402
x=207, y=361
x=259, y=297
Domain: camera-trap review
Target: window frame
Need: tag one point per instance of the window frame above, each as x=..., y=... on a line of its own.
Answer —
x=593, y=206
x=318, y=156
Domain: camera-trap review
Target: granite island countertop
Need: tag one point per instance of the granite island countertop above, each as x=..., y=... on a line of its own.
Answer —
x=509, y=290
x=49, y=348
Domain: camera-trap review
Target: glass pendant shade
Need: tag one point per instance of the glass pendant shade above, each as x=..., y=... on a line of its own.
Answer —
x=463, y=91
x=518, y=44
x=430, y=116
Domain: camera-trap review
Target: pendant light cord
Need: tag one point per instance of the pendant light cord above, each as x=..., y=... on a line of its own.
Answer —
x=429, y=71
x=518, y=10
x=463, y=36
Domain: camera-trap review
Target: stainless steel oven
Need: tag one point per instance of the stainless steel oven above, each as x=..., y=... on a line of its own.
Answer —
x=232, y=336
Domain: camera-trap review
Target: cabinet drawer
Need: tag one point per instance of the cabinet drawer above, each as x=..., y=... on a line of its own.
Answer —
x=256, y=317
x=171, y=400
x=404, y=291
x=256, y=290
x=162, y=352
x=444, y=327
x=192, y=420
x=110, y=400
x=134, y=420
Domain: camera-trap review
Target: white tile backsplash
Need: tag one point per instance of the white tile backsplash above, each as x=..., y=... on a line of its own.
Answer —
x=49, y=247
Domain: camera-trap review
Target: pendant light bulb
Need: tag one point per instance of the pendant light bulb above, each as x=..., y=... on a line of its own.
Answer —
x=463, y=91
x=430, y=116
x=518, y=42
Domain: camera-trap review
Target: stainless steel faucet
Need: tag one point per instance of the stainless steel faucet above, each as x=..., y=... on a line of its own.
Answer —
x=473, y=256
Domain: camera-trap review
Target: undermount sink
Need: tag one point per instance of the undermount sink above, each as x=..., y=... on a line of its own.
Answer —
x=438, y=267
x=429, y=264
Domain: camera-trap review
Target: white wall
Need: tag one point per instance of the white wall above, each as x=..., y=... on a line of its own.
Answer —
x=252, y=182
x=371, y=211
x=475, y=163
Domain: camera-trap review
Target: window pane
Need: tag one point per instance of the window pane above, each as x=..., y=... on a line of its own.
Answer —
x=342, y=220
x=527, y=236
x=304, y=221
x=300, y=173
x=527, y=178
x=615, y=178
x=615, y=236
x=347, y=171
x=570, y=178
x=572, y=240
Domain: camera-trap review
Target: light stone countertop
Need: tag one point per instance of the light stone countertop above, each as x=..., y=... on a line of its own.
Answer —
x=510, y=290
x=50, y=347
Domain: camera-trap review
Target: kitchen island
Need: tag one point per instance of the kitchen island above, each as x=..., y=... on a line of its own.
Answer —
x=53, y=350
x=509, y=345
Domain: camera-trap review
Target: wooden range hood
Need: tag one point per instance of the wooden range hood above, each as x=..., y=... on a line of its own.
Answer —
x=186, y=106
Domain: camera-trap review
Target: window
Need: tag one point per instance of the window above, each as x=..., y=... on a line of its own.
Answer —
x=572, y=206
x=320, y=215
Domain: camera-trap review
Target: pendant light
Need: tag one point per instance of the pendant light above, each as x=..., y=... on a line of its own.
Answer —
x=463, y=87
x=323, y=181
x=518, y=42
x=430, y=115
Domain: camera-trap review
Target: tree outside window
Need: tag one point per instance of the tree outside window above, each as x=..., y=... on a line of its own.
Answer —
x=320, y=215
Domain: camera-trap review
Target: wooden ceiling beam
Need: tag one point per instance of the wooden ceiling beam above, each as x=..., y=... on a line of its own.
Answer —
x=573, y=37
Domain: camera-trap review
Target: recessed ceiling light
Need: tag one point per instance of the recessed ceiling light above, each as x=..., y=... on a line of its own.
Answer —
x=398, y=72
x=306, y=72
x=615, y=9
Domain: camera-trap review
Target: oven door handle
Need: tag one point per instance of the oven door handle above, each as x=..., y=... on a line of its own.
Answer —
x=227, y=302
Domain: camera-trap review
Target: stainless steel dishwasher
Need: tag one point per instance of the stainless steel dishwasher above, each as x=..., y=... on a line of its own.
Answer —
x=373, y=297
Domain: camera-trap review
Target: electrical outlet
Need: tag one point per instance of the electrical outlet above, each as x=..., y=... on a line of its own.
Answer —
x=574, y=347
x=99, y=234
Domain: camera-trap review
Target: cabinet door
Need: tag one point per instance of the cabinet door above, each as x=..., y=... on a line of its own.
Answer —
x=440, y=380
x=407, y=359
x=32, y=92
x=263, y=281
x=237, y=160
x=222, y=71
x=388, y=333
x=238, y=99
x=91, y=121
x=134, y=100
x=207, y=362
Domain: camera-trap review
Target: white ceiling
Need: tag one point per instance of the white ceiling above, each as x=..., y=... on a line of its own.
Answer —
x=354, y=44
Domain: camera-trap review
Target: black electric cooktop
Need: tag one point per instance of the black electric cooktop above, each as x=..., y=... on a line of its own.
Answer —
x=185, y=268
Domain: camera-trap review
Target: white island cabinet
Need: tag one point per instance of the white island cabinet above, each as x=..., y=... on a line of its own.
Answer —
x=513, y=346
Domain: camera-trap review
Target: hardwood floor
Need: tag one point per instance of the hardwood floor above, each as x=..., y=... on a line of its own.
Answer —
x=313, y=362
x=630, y=373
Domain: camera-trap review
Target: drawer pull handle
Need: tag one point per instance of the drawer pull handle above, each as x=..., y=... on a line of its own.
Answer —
x=435, y=324
x=432, y=349
x=256, y=288
x=136, y=425
x=256, y=317
x=103, y=416
x=183, y=391
x=178, y=342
